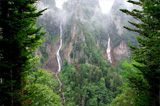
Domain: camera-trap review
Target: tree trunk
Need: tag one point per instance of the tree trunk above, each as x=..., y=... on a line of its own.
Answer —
x=6, y=71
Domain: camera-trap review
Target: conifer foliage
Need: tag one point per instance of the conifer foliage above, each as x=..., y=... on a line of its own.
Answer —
x=147, y=55
x=18, y=39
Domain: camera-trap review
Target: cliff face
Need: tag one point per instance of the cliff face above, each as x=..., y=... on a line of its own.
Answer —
x=120, y=37
x=51, y=63
x=67, y=53
x=85, y=34
x=121, y=51
x=116, y=16
x=75, y=42
x=47, y=51
x=117, y=53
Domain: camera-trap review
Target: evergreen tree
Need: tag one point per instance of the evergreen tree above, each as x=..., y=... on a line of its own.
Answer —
x=40, y=90
x=147, y=54
x=18, y=39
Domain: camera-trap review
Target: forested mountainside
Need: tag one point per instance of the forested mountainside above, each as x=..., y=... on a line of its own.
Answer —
x=84, y=25
x=93, y=50
x=79, y=56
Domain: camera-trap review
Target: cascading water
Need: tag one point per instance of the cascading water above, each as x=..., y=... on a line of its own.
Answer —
x=109, y=50
x=60, y=62
x=58, y=56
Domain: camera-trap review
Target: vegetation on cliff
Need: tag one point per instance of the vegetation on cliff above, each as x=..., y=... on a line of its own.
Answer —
x=97, y=69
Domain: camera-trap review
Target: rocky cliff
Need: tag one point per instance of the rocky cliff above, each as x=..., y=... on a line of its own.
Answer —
x=85, y=34
x=121, y=51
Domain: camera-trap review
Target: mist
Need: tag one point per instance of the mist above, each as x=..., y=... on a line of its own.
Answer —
x=59, y=3
x=106, y=5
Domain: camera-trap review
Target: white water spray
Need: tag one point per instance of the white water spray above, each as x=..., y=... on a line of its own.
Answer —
x=58, y=55
x=109, y=50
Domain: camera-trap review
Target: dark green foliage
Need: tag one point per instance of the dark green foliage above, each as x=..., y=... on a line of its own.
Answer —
x=115, y=37
x=19, y=39
x=130, y=38
x=93, y=84
x=147, y=54
x=41, y=89
x=90, y=80
x=90, y=84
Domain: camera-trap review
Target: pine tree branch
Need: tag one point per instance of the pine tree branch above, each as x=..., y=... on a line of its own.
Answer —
x=134, y=2
x=130, y=29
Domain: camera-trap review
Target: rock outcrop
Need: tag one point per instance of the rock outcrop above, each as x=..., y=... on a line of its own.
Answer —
x=51, y=64
x=121, y=51
x=67, y=53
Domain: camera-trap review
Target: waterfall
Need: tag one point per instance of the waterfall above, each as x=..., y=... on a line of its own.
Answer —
x=109, y=50
x=60, y=63
x=58, y=55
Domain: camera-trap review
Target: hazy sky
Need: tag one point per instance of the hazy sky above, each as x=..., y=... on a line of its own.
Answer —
x=59, y=3
x=105, y=4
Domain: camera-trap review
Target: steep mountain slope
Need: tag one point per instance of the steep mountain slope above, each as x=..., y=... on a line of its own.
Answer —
x=83, y=21
x=49, y=22
x=88, y=23
x=80, y=30
x=93, y=45
x=120, y=37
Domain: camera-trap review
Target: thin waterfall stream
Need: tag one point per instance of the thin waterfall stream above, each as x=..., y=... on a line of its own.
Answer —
x=109, y=49
x=60, y=63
